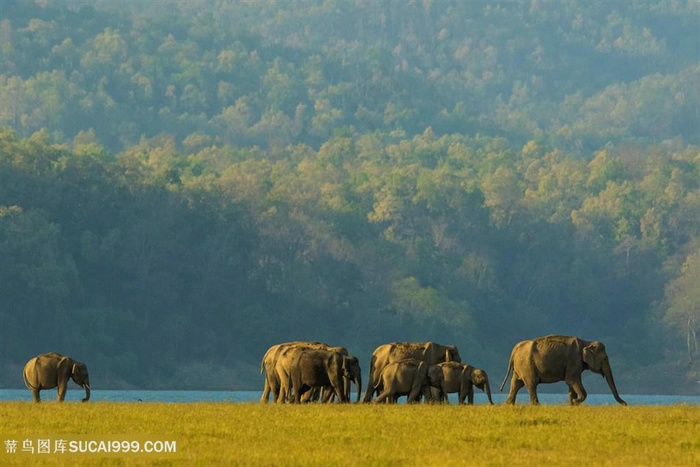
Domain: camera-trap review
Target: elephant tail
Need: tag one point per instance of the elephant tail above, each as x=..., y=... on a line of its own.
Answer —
x=508, y=370
x=26, y=381
x=24, y=377
x=264, y=359
x=373, y=379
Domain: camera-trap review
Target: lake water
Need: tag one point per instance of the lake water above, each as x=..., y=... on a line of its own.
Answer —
x=138, y=395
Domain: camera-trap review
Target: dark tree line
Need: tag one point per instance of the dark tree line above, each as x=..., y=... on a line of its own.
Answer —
x=208, y=257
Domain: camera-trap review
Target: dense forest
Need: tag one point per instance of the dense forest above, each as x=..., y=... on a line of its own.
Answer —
x=185, y=183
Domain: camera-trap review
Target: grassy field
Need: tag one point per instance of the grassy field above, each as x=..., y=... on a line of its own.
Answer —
x=399, y=435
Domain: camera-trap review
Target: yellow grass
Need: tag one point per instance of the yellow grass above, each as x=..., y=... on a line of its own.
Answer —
x=256, y=434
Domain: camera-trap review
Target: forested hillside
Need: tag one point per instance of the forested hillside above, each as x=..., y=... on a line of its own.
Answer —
x=184, y=183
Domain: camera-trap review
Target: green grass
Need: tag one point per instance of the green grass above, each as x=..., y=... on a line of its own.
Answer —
x=398, y=435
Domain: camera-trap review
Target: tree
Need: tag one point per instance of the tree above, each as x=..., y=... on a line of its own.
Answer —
x=502, y=195
x=682, y=304
x=37, y=279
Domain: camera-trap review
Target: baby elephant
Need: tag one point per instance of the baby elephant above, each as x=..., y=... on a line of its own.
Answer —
x=410, y=378
x=461, y=378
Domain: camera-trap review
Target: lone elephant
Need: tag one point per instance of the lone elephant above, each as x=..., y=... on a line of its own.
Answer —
x=49, y=370
x=411, y=378
x=461, y=378
x=554, y=358
x=428, y=352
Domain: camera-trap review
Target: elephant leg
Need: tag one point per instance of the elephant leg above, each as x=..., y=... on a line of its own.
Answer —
x=374, y=392
x=532, y=391
x=266, y=391
x=461, y=397
x=323, y=395
x=62, y=387
x=298, y=395
x=515, y=385
x=272, y=386
x=373, y=386
x=276, y=387
x=377, y=391
x=340, y=393
x=36, y=397
x=309, y=396
x=384, y=396
x=281, y=391
x=430, y=397
x=283, y=395
x=577, y=394
x=414, y=395
x=287, y=392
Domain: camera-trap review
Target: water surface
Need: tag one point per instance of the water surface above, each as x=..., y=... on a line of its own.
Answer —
x=139, y=395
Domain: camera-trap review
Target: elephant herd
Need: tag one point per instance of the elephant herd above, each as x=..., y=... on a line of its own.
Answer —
x=303, y=371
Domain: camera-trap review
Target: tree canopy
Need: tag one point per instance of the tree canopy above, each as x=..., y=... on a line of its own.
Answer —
x=183, y=184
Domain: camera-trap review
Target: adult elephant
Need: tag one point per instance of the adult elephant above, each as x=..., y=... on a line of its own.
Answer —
x=428, y=352
x=50, y=370
x=269, y=364
x=351, y=373
x=318, y=368
x=411, y=378
x=461, y=378
x=554, y=358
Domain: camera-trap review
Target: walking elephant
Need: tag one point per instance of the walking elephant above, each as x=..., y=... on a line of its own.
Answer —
x=318, y=368
x=554, y=358
x=49, y=370
x=428, y=352
x=411, y=378
x=351, y=373
x=269, y=364
x=461, y=378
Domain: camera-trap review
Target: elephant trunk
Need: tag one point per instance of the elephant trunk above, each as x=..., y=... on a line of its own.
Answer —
x=86, y=385
x=487, y=390
x=346, y=387
x=607, y=374
x=358, y=381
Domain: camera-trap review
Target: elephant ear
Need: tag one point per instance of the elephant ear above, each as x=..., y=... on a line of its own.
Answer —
x=65, y=366
x=479, y=378
x=346, y=365
x=589, y=355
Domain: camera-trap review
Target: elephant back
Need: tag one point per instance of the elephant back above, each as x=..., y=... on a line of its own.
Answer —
x=453, y=365
x=406, y=364
x=429, y=352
